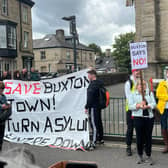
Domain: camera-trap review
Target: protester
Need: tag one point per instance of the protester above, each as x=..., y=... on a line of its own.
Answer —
x=143, y=120
x=130, y=88
x=6, y=75
x=162, y=95
x=34, y=76
x=5, y=112
x=17, y=75
x=24, y=75
x=93, y=109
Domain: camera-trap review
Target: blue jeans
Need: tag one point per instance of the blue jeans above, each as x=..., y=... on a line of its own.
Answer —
x=164, y=120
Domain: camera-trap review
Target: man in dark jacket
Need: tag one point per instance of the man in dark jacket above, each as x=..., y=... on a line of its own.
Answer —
x=3, y=106
x=24, y=75
x=34, y=76
x=93, y=109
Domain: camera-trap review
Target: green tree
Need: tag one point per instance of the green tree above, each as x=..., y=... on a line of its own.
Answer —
x=96, y=48
x=121, y=52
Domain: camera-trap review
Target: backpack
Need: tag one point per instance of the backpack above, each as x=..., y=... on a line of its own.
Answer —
x=104, y=97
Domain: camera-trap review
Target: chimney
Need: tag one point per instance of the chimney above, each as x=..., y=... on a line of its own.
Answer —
x=108, y=52
x=60, y=35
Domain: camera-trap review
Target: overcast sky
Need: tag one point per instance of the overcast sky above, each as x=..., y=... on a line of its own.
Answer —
x=98, y=21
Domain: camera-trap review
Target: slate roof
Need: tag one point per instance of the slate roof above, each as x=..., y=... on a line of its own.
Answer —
x=28, y=2
x=50, y=41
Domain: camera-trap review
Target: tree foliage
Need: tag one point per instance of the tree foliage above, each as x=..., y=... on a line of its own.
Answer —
x=121, y=52
x=96, y=48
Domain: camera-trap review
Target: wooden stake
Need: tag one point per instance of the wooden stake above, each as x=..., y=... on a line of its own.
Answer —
x=141, y=79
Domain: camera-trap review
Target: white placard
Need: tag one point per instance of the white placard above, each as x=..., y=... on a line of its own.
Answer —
x=139, y=55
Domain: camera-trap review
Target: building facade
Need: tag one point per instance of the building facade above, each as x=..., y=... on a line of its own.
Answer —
x=152, y=27
x=54, y=53
x=16, y=50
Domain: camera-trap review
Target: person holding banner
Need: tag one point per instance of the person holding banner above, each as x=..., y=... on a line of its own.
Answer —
x=129, y=89
x=93, y=109
x=143, y=119
x=162, y=95
x=5, y=112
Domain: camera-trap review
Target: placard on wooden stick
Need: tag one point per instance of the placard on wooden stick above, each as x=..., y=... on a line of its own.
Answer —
x=139, y=58
x=139, y=55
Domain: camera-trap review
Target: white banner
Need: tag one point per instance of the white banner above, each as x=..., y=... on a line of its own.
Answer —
x=49, y=112
x=139, y=55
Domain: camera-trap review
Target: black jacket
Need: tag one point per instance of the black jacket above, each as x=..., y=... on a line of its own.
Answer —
x=93, y=94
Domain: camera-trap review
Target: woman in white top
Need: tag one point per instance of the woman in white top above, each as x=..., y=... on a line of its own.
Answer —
x=143, y=120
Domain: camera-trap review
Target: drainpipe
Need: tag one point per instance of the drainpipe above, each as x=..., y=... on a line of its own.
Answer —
x=20, y=14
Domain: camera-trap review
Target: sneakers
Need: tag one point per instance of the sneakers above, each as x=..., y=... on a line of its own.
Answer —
x=92, y=147
x=149, y=160
x=128, y=151
x=100, y=142
x=140, y=159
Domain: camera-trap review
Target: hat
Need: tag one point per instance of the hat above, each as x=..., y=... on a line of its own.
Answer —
x=92, y=72
x=133, y=70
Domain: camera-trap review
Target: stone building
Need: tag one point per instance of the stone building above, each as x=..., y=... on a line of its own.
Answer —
x=152, y=27
x=16, y=50
x=54, y=53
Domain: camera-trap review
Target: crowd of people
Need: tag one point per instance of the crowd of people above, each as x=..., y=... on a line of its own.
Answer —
x=23, y=75
x=140, y=107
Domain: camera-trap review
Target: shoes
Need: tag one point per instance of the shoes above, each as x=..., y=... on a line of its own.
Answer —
x=128, y=151
x=165, y=139
x=140, y=159
x=149, y=160
x=100, y=142
x=165, y=150
x=92, y=147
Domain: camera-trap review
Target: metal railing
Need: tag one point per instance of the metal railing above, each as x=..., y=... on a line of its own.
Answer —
x=114, y=119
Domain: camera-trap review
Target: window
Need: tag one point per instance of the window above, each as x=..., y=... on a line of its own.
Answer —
x=25, y=14
x=68, y=55
x=43, y=55
x=43, y=69
x=11, y=37
x=3, y=43
x=77, y=55
x=6, y=66
x=4, y=7
x=26, y=39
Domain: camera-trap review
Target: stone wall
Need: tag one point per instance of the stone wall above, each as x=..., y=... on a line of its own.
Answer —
x=57, y=59
x=113, y=78
x=164, y=30
x=152, y=26
x=14, y=16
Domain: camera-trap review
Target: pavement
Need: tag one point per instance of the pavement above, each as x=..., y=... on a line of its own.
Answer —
x=109, y=155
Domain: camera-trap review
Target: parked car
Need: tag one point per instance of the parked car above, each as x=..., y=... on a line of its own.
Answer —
x=50, y=75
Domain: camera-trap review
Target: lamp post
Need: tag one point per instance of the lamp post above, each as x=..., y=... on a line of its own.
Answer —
x=72, y=20
x=28, y=68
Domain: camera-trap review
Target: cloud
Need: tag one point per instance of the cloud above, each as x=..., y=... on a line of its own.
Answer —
x=97, y=21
